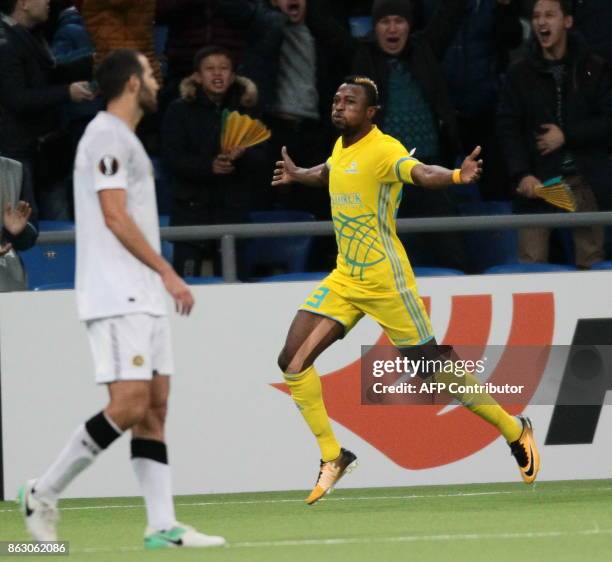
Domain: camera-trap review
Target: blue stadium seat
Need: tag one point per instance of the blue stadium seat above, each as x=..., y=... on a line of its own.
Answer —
x=55, y=286
x=436, y=271
x=602, y=266
x=487, y=248
x=529, y=268
x=285, y=253
x=203, y=280
x=49, y=263
x=167, y=248
x=306, y=276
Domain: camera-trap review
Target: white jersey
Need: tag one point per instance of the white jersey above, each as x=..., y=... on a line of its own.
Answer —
x=110, y=281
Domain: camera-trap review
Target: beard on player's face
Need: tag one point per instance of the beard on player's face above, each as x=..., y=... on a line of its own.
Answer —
x=147, y=99
x=148, y=87
x=350, y=129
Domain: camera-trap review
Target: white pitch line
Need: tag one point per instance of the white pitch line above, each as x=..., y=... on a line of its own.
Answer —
x=383, y=540
x=328, y=499
x=421, y=538
x=296, y=500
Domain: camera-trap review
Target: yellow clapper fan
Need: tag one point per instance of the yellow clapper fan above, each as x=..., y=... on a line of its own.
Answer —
x=241, y=131
x=556, y=192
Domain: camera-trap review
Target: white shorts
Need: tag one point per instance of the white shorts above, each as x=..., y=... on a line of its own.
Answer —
x=130, y=347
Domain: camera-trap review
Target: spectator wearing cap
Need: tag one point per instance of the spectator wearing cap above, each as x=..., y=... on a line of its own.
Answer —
x=416, y=107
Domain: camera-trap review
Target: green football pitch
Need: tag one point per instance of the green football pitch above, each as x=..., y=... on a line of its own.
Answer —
x=551, y=521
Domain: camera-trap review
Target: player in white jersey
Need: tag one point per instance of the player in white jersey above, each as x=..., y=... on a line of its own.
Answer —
x=121, y=282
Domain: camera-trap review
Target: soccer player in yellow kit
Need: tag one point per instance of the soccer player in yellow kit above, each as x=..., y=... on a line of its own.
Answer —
x=373, y=276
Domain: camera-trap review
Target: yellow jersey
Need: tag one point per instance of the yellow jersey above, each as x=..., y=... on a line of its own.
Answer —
x=365, y=187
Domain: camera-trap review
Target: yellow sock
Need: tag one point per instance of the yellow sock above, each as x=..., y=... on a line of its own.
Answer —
x=307, y=393
x=483, y=405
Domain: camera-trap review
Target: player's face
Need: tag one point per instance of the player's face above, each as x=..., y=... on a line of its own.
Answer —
x=549, y=24
x=350, y=108
x=37, y=10
x=392, y=34
x=147, y=95
x=216, y=75
x=295, y=9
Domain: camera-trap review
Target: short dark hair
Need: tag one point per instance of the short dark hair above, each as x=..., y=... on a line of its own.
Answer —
x=209, y=51
x=369, y=86
x=567, y=6
x=8, y=6
x=115, y=70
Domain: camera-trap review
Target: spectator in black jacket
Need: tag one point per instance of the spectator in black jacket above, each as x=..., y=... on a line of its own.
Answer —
x=555, y=119
x=33, y=89
x=209, y=187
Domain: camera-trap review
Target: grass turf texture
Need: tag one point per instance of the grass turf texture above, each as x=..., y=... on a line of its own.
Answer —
x=552, y=521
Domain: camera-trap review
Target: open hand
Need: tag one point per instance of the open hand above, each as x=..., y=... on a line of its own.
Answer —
x=551, y=139
x=471, y=168
x=285, y=170
x=179, y=291
x=15, y=220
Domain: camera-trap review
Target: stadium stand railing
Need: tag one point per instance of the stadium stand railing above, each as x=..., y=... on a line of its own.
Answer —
x=228, y=234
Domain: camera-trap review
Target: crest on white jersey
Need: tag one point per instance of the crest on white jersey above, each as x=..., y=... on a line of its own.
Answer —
x=109, y=165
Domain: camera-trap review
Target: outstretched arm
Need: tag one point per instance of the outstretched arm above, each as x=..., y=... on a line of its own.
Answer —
x=435, y=177
x=287, y=172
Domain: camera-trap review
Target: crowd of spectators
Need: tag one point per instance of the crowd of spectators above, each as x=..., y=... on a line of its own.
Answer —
x=527, y=80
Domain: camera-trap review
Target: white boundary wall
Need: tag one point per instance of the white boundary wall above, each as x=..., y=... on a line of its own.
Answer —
x=229, y=430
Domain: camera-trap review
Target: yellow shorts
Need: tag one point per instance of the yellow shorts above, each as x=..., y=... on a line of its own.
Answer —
x=401, y=315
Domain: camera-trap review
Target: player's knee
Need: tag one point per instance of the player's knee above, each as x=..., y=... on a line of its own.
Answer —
x=284, y=359
x=158, y=413
x=132, y=407
x=139, y=411
x=288, y=362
